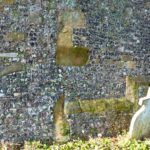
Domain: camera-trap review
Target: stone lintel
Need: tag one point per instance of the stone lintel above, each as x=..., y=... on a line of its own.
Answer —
x=11, y=55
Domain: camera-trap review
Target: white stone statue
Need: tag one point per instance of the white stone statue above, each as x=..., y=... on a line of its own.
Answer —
x=140, y=123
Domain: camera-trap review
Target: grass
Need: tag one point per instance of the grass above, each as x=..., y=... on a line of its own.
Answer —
x=75, y=56
x=121, y=142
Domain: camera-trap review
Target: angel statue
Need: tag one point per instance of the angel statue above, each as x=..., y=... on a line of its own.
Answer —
x=140, y=123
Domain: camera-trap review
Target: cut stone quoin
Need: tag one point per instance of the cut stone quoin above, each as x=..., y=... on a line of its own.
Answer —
x=66, y=54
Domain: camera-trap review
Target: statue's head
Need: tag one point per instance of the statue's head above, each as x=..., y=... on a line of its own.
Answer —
x=145, y=99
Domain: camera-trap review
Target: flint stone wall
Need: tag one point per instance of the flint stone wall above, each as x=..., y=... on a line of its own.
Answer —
x=117, y=35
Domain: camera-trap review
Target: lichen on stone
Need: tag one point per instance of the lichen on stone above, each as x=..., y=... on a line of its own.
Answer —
x=98, y=106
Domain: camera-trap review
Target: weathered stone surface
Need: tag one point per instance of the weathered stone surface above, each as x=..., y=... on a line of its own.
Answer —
x=61, y=124
x=75, y=56
x=94, y=117
x=68, y=19
x=8, y=54
x=131, y=64
x=15, y=36
x=116, y=33
x=68, y=55
x=131, y=89
x=1, y=8
x=12, y=68
x=98, y=106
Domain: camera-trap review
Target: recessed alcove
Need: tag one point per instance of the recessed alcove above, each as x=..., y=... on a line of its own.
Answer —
x=136, y=87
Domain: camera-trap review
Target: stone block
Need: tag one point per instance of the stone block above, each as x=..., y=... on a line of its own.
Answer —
x=14, y=36
x=13, y=55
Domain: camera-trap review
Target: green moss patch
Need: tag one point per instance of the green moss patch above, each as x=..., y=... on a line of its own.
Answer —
x=61, y=124
x=75, y=56
x=98, y=106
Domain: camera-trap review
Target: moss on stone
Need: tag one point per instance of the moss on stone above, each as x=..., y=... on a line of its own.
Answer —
x=74, y=56
x=132, y=86
x=12, y=68
x=98, y=106
x=131, y=89
x=60, y=122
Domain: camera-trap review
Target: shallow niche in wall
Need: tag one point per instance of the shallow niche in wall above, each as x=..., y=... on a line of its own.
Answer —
x=136, y=87
x=72, y=56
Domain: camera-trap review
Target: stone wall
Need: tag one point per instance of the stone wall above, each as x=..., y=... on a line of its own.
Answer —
x=116, y=34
